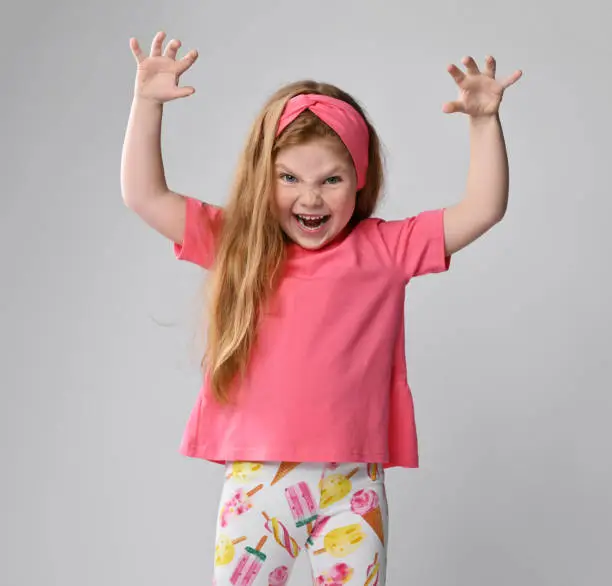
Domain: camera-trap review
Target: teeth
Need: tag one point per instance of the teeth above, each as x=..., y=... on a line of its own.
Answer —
x=319, y=220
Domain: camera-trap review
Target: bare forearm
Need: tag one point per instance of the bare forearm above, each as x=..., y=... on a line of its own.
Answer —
x=487, y=182
x=142, y=169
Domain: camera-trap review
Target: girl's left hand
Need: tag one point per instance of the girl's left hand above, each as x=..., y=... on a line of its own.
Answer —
x=480, y=94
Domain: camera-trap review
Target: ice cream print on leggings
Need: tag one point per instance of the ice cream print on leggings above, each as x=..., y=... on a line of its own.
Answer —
x=271, y=512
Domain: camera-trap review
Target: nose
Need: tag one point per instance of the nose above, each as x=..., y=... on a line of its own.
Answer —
x=311, y=196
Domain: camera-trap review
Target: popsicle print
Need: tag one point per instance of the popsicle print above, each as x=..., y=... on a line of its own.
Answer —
x=338, y=574
x=238, y=504
x=317, y=530
x=302, y=505
x=244, y=471
x=281, y=535
x=342, y=541
x=249, y=565
x=373, y=572
x=225, y=550
x=373, y=471
x=335, y=487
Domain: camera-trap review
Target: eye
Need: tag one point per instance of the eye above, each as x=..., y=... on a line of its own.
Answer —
x=334, y=180
x=287, y=178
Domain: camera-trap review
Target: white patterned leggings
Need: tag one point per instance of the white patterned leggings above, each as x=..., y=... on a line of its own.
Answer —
x=271, y=511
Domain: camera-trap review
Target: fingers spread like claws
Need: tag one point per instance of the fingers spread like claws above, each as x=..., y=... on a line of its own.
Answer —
x=453, y=107
x=184, y=92
x=172, y=48
x=136, y=51
x=456, y=73
x=156, y=45
x=470, y=65
x=490, y=66
x=187, y=61
x=512, y=79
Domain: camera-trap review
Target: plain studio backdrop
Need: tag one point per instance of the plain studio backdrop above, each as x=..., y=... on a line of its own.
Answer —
x=508, y=353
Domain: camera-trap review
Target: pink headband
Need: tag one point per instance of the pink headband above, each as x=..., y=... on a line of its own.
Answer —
x=348, y=124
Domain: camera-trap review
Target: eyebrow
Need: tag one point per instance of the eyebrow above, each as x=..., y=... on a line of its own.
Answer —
x=330, y=173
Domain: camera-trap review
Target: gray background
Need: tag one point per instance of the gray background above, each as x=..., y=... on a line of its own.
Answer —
x=508, y=353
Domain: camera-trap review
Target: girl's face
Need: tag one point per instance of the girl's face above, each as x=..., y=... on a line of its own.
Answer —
x=316, y=185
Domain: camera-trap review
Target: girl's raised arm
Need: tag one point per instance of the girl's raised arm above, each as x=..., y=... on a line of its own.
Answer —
x=486, y=197
x=143, y=183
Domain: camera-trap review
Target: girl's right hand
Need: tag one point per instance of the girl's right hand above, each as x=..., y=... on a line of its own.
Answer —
x=157, y=75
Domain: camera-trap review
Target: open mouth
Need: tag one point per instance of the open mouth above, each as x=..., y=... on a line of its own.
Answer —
x=311, y=223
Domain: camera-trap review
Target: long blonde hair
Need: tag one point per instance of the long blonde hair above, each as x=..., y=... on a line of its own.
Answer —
x=251, y=245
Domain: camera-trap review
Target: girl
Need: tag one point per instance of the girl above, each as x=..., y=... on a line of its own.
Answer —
x=305, y=397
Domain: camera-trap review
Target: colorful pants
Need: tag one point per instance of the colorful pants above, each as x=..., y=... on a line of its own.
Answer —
x=271, y=511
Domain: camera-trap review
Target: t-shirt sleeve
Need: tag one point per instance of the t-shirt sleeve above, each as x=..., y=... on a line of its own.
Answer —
x=416, y=244
x=202, y=225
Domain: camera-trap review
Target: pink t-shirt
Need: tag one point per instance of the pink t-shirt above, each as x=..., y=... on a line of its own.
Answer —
x=327, y=379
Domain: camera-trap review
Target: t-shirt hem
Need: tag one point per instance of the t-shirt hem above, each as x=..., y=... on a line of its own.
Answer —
x=249, y=454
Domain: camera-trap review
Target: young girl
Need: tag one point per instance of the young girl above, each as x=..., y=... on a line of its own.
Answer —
x=305, y=397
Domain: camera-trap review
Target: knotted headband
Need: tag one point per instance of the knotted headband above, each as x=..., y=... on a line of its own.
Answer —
x=348, y=124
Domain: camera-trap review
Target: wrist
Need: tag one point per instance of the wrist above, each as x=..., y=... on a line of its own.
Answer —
x=484, y=120
x=146, y=102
